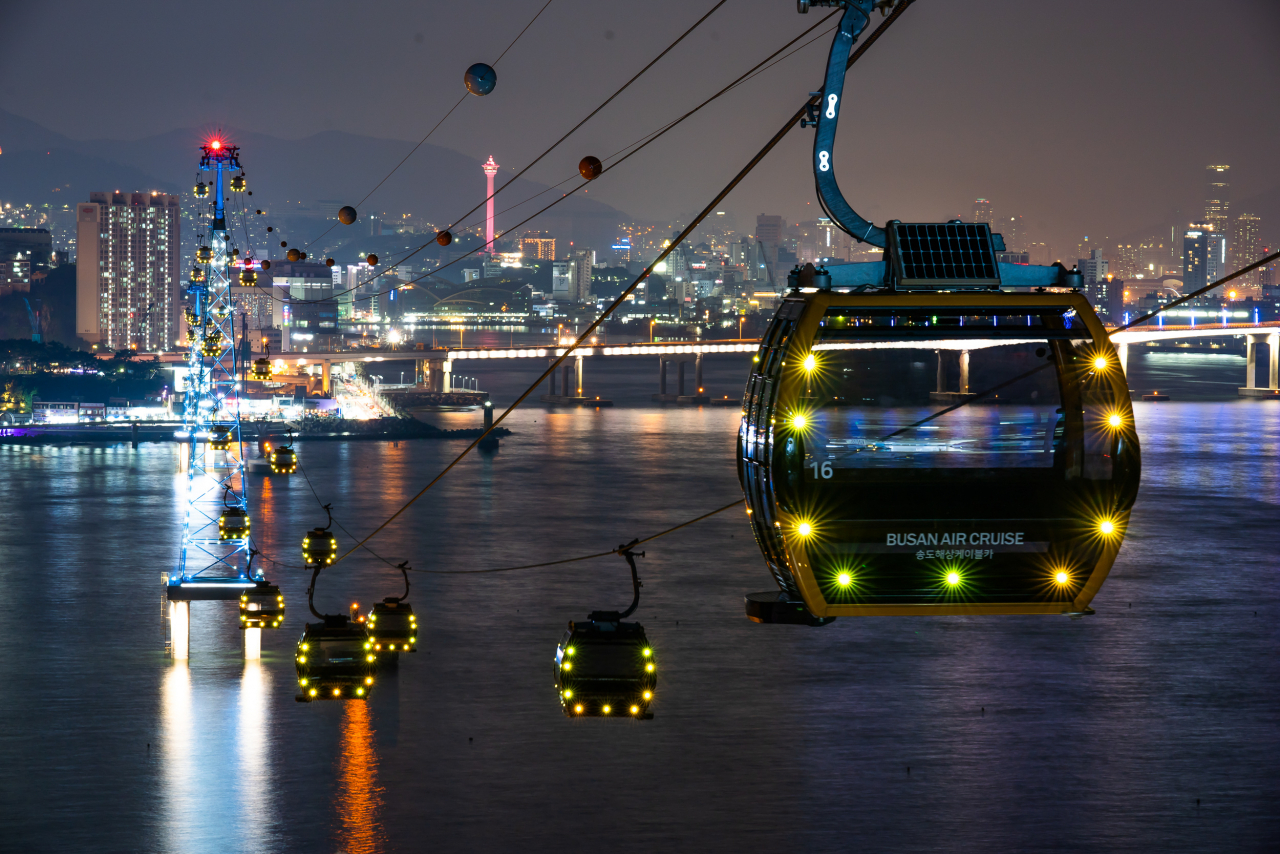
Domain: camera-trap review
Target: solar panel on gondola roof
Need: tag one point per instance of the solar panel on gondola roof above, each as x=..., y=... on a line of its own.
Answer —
x=955, y=253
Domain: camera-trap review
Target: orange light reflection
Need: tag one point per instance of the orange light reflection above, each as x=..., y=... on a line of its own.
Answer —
x=359, y=795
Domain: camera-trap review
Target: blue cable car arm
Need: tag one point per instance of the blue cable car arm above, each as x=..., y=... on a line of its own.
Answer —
x=852, y=23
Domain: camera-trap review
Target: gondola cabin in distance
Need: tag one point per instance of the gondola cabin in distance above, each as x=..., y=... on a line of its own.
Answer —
x=942, y=444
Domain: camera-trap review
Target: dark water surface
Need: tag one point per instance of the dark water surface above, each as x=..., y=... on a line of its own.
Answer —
x=1097, y=735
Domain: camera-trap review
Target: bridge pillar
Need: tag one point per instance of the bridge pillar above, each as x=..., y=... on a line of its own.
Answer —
x=446, y=376
x=680, y=378
x=697, y=373
x=1250, y=387
x=326, y=371
x=1273, y=344
x=942, y=373
x=577, y=370
x=662, y=375
x=1251, y=361
x=566, y=378
x=964, y=371
x=180, y=629
x=1122, y=351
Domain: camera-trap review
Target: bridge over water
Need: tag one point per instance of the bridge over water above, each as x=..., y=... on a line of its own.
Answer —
x=434, y=368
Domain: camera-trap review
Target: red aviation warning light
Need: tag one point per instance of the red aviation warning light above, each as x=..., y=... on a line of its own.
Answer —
x=215, y=144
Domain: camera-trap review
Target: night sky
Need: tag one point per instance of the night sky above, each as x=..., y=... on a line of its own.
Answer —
x=1088, y=117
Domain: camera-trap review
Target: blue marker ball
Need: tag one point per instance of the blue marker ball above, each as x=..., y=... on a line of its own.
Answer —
x=480, y=79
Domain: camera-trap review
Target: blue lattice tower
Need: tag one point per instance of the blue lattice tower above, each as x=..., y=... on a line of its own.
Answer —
x=214, y=561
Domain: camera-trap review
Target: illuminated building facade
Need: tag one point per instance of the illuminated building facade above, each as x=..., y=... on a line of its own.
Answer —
x=1245, y=246
x=1204, y=256
x=1217, y=198
x=538, y=245
x=982, y=212
x=127, y=275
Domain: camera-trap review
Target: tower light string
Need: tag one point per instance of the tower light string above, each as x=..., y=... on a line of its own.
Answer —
x=703, y=214
x=435, y=127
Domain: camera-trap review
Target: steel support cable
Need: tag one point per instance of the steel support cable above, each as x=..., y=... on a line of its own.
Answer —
x=518, y=174
x=553, y=146
x=561, y=562
x=616, y=551
x=641, y=143
x=986, y=391
x=435, y=127
x=644, y=274
x=312, y=487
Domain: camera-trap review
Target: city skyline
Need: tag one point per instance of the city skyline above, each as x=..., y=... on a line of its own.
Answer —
x=1047, y=147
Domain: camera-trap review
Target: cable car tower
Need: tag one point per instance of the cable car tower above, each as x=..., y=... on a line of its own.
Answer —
x=215, y=561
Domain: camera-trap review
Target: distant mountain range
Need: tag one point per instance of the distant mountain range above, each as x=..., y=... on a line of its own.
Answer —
x=38, y=165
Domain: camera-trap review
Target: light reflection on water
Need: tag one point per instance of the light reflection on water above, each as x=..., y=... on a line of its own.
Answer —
x=1098, y=734
x=217, y=791
x=358, y=802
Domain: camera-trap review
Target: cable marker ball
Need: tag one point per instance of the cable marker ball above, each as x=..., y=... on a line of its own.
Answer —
x=444, y=238
x=283, y=243
x=293, y=255
x=270, y=229
x=266, y=265
x=346, y=215
x=328, y=262
x=372, y=259
x=590, y=167
x=302, y=255
x=480, y=79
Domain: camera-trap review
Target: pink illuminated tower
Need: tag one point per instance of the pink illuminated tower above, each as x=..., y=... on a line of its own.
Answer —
x=490, y=169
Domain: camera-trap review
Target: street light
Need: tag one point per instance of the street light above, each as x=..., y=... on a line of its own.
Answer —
x=652, y=321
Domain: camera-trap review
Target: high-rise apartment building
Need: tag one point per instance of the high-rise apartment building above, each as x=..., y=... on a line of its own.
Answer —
x=982, y=212
x=1094, y=271
x=571, y=277
x=1094, y=268
x=538, y=245
x=584, y=260
x=1013, y=231
x=127, y=270
x=1217, y=198
x=1204, y=257
x=1245, y=246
